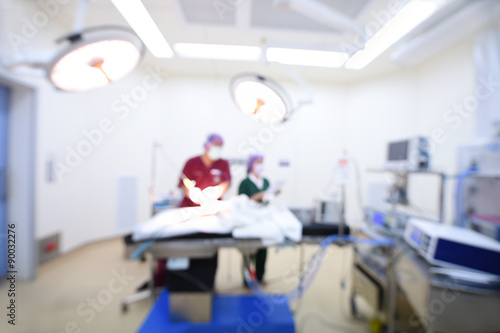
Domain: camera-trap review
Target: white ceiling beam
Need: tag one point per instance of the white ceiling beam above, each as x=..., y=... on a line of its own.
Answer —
x=243, y=13
x=477, y=15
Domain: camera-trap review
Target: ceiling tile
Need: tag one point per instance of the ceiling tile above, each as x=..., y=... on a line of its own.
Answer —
x=216, y=12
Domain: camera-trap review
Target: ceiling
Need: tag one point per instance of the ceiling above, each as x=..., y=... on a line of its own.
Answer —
x=245, y=22
x=260, y=14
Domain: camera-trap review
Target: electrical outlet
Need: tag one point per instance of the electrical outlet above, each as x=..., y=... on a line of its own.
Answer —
x=48, y=248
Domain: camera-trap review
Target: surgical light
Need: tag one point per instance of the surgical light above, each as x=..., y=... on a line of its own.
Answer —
x=409, y=17
x=216, y=51
x=95, y=58
x=260, y=98
x=306, y=57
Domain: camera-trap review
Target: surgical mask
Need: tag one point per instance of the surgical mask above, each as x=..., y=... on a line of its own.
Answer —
x=258, y=168
x=215, y=153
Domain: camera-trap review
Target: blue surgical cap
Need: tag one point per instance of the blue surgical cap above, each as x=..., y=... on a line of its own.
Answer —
x=251, y=161
x=213, y=138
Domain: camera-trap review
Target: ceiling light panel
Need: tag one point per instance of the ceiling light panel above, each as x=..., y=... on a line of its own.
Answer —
x=144, y=26
x=407, y=19
x=219, y=52
x=306, y=57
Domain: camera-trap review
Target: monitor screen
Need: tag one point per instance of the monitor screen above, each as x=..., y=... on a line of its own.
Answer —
x=398, y=151
x=415, y=236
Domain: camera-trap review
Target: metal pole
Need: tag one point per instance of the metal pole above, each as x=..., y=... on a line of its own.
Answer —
x=80, y=16
x=392, y=288
x=441, y=199
x=152, y=269
x=152, y=190
x=342, y=211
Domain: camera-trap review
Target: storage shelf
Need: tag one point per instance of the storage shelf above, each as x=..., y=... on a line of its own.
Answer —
x=485, y=175
x=401, y=171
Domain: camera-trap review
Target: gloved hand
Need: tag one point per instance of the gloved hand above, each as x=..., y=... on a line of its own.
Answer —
x=188, y=183
x=195, y=195
x=212, y=192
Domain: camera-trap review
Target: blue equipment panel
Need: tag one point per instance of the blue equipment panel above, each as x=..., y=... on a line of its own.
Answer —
x=241, y=313
x=468, y=256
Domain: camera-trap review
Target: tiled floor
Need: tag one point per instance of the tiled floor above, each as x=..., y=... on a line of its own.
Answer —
x=81, y=291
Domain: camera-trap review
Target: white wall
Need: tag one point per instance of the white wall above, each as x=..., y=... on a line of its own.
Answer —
x=181, y=111
x=417, y=101
x=380, y=110
x=447, y=82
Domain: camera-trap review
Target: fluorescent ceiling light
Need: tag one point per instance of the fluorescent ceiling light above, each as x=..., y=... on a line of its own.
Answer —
x=139, y=19
x=221, y=52
x=407, y=19
x=260, y=98
x=306, y=57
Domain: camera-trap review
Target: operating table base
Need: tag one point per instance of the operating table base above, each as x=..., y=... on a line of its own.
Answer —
x=241, y=313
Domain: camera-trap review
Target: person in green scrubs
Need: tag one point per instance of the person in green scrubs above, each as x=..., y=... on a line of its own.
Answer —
x=255, y=186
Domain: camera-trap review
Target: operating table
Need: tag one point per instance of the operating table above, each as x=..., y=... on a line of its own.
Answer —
x=204, y=245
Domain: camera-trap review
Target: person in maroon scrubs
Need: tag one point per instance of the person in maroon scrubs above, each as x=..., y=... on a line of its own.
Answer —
x=203, y=172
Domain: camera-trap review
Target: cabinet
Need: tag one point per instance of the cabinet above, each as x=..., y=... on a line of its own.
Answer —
x=373, y=278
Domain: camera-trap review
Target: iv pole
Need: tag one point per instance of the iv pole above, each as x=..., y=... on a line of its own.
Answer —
x=152, y=188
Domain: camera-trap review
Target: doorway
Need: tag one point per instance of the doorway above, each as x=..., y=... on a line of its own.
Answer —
x=4, y=112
